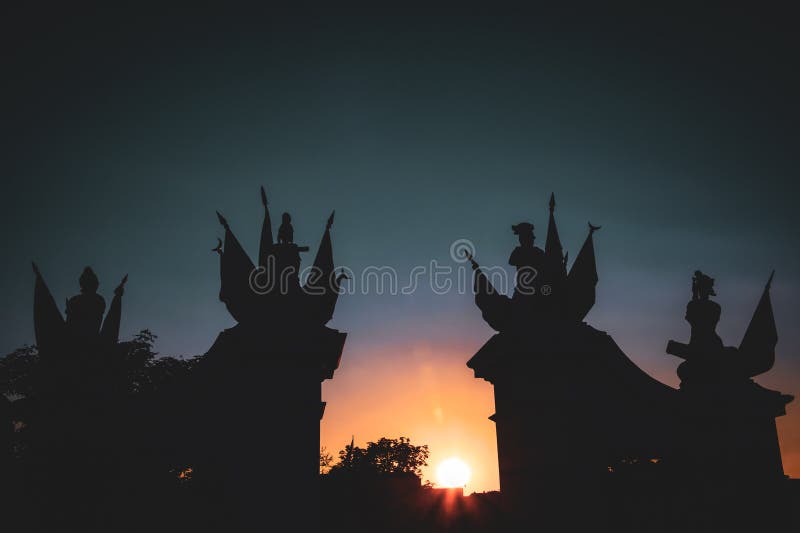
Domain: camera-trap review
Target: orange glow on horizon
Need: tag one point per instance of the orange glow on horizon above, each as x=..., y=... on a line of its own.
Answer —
x=425, y=392
x=421, y=392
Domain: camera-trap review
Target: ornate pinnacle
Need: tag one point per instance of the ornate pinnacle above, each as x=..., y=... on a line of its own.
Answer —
x=222, y=220
x=471, y=260
x=121, y=287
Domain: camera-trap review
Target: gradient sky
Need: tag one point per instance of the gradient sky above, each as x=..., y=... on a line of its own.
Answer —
x=122, y=133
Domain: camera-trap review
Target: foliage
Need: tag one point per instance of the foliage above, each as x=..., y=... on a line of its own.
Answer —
x=17, y=371
x=325, y=460
x=145, y=371
x=135, y=362
x=386, y=456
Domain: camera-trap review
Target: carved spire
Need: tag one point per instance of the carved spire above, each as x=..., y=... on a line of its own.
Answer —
x=495, y=307
x=582, y=279
x=48, y=324
x=235, y=270
x=266, y=232
x=109, y=332
x=758, y=344
x=553, y=247
x=323, y=285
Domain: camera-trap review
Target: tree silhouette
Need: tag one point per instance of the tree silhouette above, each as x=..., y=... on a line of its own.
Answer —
x=71, y=427
x=386, y=456
x=16, y=371
x=325, y=460
x=134, y=362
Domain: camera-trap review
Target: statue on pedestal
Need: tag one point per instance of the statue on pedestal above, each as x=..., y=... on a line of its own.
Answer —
x=706, y=359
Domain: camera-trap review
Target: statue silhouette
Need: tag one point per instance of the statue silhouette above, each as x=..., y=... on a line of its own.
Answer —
x=705, y=349
x=526, y=254
x=578, y=421
x=85, y=311
x=707, y=360
x=274, y=361
x=286, y=231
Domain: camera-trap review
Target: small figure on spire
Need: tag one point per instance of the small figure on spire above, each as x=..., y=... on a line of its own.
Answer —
x=286, y=231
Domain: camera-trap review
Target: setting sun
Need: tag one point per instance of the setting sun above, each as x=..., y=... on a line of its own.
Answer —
x=453, y=472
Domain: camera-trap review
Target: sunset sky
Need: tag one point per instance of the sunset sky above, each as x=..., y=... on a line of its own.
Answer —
x=677, y=134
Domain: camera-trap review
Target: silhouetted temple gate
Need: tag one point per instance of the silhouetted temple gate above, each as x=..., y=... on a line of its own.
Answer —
x=242, y=424
x=578, y=421
x=264, y=375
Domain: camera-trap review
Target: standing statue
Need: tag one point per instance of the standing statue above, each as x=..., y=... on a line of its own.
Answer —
x=286, y=231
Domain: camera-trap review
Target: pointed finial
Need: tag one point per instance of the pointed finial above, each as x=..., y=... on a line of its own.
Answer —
x=769, y=281
x=121, y=287
x=263, y=196
x=469, y=257
x=566, y=257
x=592, y=229
x=222, y=220
x=36, y=269
x=330, y=219
x=218, y=249
x=552, y=201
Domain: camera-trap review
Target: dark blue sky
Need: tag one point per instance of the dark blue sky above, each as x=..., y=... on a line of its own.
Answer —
x=677, y=132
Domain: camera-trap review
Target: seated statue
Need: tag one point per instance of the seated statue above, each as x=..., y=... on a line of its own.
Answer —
x=703, y=314
x=85, y=311
x=707, y=360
